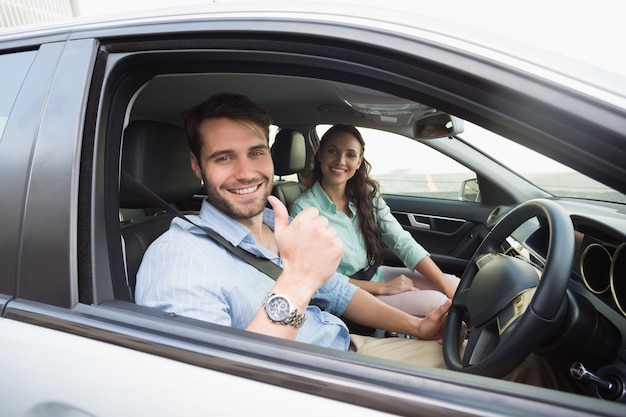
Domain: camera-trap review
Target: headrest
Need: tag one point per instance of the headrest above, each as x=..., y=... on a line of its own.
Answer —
x=156, y=154
x=288, y=152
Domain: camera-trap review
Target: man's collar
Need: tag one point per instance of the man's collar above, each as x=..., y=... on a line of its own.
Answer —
x=233, y=231
x=218, y=221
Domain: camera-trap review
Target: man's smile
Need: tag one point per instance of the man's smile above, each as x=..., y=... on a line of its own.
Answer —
x=244, y=191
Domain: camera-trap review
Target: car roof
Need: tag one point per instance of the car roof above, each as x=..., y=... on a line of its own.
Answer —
x=453, y=34
x=427, y=40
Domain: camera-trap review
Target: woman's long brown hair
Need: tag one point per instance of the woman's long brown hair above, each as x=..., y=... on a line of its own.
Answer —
x=361, y=190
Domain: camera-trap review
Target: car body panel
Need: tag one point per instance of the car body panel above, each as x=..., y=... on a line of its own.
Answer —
x=128, y=381
x=55, y=181
x=67, y=335
x=16, y=148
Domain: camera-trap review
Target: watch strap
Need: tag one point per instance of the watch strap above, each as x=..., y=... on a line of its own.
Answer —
x=294, y=319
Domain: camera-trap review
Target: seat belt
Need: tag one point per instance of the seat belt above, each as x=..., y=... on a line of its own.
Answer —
x=131, y=185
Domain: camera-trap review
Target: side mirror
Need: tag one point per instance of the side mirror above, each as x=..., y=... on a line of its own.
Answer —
x=470, y=191
x=438, y=125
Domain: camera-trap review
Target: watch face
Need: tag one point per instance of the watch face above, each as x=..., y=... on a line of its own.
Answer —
x=278, y=308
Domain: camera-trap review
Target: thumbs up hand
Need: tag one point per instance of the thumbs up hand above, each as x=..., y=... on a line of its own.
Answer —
x=309, y=247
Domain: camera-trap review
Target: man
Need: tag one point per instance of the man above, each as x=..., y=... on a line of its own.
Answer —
x=186, y=273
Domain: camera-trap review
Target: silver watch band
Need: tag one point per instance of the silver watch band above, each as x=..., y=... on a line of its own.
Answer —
x=294, y=319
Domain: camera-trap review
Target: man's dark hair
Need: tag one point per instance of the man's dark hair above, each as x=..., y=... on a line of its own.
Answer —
x=223, y=105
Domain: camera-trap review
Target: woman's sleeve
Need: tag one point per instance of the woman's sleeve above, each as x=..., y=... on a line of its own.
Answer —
x=393, y=235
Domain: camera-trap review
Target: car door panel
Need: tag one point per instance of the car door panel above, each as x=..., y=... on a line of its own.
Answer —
x=450, y=230
x=117, y=371
x=127, y=352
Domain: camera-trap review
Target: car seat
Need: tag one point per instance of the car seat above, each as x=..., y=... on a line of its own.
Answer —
x=157, y=156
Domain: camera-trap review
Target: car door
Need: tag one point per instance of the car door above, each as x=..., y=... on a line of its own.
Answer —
x=450, y=230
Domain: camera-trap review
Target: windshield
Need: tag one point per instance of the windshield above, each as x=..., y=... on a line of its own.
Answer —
x=553, y=177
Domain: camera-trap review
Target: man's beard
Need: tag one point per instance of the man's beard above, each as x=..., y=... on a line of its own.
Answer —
x=240, y=211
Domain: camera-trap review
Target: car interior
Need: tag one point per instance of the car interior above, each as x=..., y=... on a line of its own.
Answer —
x=154, y=152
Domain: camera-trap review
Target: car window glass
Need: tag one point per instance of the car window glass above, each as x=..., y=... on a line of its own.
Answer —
x=273, y=131
x=553, y=177
x=404, y=166
x=13, y=68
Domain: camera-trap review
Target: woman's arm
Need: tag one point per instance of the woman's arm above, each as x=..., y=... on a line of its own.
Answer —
x=369, y=311
x=397, y=285
x=413, y=254
x=431, y=271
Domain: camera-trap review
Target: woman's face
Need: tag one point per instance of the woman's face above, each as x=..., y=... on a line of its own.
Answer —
x=340, y=157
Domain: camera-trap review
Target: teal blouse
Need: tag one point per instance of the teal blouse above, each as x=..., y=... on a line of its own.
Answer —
x=355, y=252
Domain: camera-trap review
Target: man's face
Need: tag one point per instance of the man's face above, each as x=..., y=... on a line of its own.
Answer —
x=236, y=167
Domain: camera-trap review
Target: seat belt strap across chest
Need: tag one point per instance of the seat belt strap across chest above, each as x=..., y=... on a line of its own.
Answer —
x=264, y=265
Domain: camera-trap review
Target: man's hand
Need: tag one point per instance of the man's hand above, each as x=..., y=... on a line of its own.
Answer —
x=309, y=247
x=432, y=326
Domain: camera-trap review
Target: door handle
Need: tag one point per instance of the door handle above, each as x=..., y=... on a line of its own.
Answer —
x=418, y=224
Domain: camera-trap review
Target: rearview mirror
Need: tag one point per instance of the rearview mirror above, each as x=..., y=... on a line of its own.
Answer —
x=438, y=125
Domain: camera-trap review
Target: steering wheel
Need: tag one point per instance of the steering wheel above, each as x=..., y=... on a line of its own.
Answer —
x=510, y=306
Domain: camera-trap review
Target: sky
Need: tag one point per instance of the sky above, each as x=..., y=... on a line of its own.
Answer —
x=592, y=31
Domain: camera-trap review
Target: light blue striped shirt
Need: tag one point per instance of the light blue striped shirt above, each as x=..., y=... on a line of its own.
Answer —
x=347, y=227
x=187, y=273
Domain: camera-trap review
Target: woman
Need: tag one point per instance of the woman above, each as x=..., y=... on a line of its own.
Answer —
x=342, y=190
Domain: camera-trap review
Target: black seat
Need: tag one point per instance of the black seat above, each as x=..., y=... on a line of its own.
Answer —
x=156, y=155
x=289, y=156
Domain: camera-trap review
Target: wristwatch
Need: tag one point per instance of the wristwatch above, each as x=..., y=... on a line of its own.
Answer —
x=279, y=309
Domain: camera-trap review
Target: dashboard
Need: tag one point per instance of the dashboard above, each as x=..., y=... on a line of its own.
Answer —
x=602, y=269
x=593, y=330
x=600, y=256
x=600, y=253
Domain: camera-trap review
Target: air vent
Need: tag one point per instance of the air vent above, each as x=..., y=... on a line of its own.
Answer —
x=494, y=215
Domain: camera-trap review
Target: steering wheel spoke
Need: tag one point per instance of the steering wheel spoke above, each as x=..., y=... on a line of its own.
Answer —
x=480, y=342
